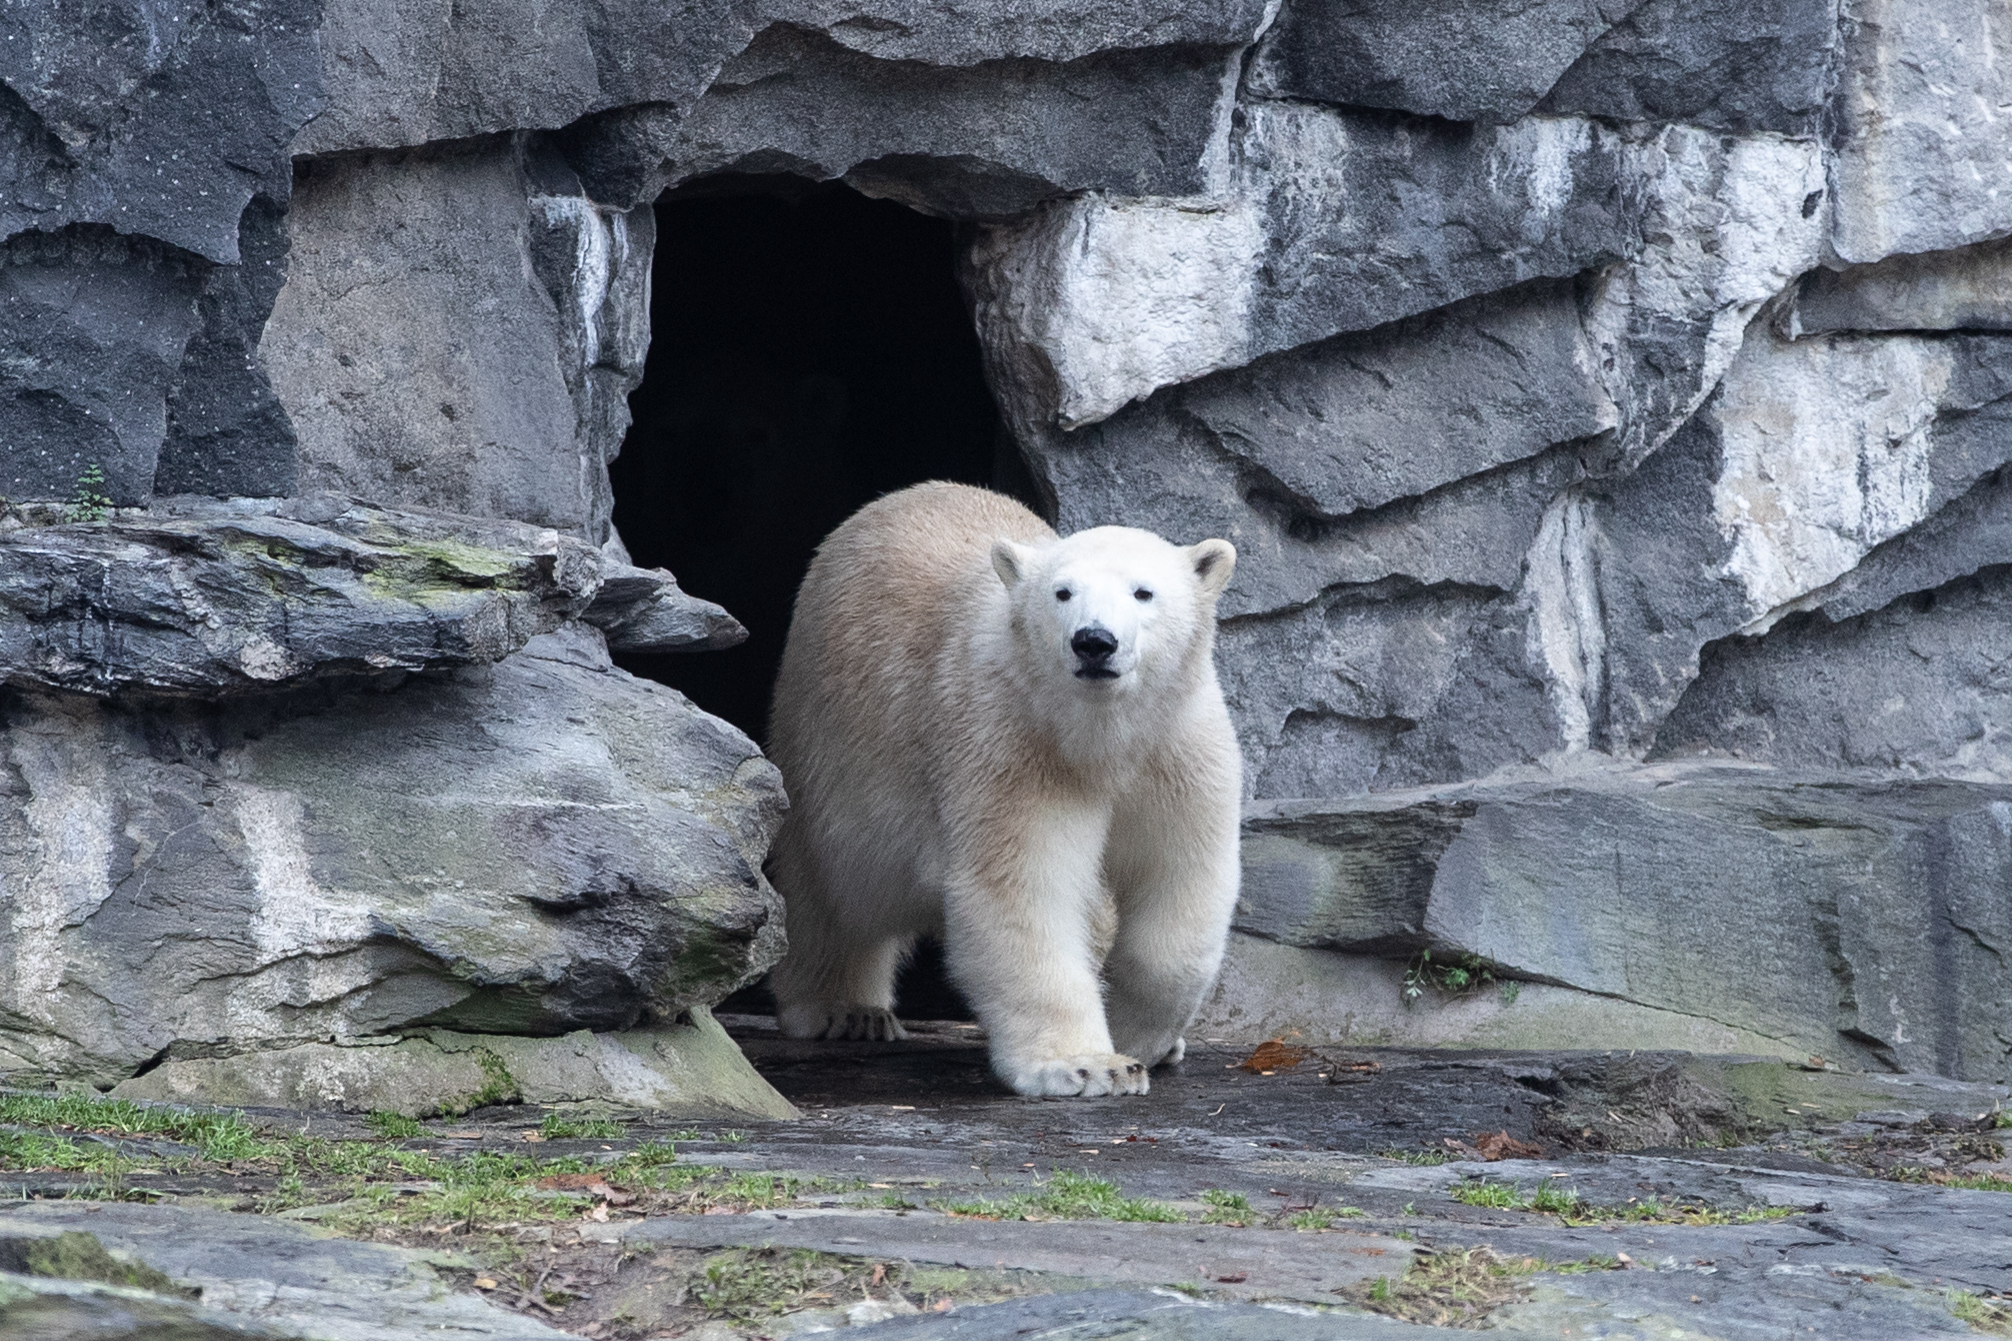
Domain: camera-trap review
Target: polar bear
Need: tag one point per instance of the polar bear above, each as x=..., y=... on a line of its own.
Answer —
x=1015, y=742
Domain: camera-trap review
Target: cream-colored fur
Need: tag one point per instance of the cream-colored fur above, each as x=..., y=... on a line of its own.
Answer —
x=1072, y=839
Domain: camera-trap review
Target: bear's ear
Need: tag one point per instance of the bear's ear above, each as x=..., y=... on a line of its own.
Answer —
x=1214, y=561
x=1009, y=561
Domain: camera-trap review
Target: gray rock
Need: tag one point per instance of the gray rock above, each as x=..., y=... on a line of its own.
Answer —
x=1738, y=65
x=1417, y=450
x=36, y=1306
x=684, y=1069
x=1450, y=58
x=982, y=141
x=1263, y=1264
x=644, y=610
x=1796, y=470
x=1966, y=289
x=1727, y=224
x=1971, y=534
x=1361, y=421
x=92, y=330
x=1155, y=1315
x=1920, y=144
x=227, y=434
x=374, y=349
x=532, y=848
x=1728, y=65
x=1804, y=908
x=156, y=121
x=227, y=599
x=264, y=1277
x=1092, y=303
x=1920, y=686
x=401, y=74
x=1386, y=686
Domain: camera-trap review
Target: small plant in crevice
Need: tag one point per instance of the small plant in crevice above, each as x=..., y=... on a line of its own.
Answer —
x=1456, y=977
x=1227, y=1208
x=90, y=503
x=1989, y=1314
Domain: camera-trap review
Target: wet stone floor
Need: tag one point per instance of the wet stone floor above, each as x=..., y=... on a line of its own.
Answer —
x=1284, y=1192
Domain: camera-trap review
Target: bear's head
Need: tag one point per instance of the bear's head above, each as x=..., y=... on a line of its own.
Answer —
x=1114, y=608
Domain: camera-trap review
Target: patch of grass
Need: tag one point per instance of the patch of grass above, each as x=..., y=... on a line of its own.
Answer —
x=1309, y=1221
x=1418, y=1158
x=393, y=1126
x=750, y=1285
x=1460, y=1287
x=557, y=1128
x=1569, y=1206
x=1455, y=1288
x=1976, y=1182
x=1227, y=1208
x=894, y=1201
x=1989, y=1314
x=1068, y=1196
x=371, y=1183
x=220, y=1136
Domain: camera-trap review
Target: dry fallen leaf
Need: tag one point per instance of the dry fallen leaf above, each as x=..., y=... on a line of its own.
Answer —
x=1273, y=1055
x=599, y=1214
x=484, y=1283
x=1501, y=1145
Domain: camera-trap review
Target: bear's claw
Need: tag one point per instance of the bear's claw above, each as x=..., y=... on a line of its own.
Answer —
x=1087, y=1076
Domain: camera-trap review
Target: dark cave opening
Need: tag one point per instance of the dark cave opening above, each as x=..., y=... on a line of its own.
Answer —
x=810, y=351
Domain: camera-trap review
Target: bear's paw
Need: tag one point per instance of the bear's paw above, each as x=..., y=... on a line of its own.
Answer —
x=1089, y=1076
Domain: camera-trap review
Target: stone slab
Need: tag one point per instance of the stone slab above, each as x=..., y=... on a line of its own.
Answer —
x=218, y=599
x=689, y=1069
x=1810, y=909
x=282, y=1279
x=1273, y=1264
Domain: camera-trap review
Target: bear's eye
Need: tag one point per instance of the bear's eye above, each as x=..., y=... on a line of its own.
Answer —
x=1142, y=595
x=1062, y=594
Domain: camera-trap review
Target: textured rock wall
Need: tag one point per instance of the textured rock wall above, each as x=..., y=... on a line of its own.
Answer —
x=1590, y=386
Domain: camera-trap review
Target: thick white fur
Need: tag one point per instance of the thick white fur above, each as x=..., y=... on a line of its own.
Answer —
x=1074, y=841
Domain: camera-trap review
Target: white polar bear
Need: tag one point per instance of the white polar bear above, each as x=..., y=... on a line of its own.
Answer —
x=1015, y=742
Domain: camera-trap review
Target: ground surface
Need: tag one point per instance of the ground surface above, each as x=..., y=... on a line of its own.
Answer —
x=1323, y=1194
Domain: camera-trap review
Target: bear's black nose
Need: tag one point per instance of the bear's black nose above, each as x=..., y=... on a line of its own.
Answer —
x=1095, y=643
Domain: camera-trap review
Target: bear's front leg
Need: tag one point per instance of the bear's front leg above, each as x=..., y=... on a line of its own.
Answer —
x=1174, y=870
x=1019, y=935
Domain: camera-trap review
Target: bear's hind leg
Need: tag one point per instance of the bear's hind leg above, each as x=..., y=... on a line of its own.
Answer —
x=842, y=989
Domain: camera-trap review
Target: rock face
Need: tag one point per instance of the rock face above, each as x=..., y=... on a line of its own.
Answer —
x=1587, y=385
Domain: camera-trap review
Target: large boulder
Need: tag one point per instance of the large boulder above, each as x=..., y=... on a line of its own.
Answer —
x=1858, y=921
x=536, y=847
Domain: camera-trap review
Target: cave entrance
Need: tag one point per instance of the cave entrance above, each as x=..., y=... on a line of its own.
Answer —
x=810, y=351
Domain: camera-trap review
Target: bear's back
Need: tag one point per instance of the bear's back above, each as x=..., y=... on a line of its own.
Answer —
x=887, y=591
